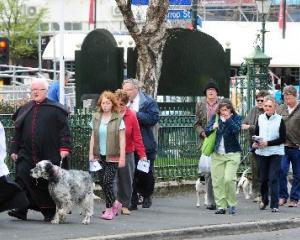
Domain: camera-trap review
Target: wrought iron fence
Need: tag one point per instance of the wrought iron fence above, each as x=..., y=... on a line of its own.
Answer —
x=178, y=151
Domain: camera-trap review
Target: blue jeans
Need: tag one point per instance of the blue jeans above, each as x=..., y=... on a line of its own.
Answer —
x=269, y=179
x=292, y=155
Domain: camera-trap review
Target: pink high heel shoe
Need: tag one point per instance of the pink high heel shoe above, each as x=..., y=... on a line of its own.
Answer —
x=116, y=207
x=108, y=214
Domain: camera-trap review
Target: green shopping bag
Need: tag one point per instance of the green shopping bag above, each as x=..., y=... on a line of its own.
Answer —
x=209, y=142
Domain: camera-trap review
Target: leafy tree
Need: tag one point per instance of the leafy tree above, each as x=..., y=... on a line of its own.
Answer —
x=20, y=28
x=150, y=40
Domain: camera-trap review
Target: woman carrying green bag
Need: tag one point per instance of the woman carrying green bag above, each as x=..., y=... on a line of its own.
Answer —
x=226, y=156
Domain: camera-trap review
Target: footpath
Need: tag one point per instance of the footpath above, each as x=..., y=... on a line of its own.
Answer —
x=174, y=216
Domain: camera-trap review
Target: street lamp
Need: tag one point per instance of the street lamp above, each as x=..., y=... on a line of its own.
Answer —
x=263, y=7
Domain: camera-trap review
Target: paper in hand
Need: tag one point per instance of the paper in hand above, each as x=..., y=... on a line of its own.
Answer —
x=95, y=166
x=257, y=139
x=143, y=166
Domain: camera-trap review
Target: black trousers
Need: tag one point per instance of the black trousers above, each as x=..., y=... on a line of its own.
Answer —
x=269, y=179
x=143, y=183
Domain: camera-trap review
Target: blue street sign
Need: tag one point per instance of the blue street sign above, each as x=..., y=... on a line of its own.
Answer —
x=181, y=2
x=172, y=2
x=179, y=14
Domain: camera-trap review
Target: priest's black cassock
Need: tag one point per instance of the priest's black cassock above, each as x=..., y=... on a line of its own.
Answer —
x=41, y=132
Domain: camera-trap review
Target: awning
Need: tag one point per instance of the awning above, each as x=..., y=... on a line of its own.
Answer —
x=72, y=42
x=241, y=37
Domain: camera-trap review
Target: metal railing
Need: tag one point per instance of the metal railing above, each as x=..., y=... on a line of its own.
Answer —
x=178, y=151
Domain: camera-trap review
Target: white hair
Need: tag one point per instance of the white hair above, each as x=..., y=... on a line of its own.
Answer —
x=134, y=82
x=42, y=81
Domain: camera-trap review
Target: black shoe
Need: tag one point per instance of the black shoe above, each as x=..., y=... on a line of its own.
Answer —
x=211, y=207
x=48, y=219
x=20, y=214
x=147, y=202
x=132, y=207
x=48, y=214
x=220, y=211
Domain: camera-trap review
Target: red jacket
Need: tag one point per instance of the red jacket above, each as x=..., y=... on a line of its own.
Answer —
x=134, y=141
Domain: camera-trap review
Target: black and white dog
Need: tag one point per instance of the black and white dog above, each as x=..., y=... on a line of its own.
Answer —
x=67, y=188
x=245, y=183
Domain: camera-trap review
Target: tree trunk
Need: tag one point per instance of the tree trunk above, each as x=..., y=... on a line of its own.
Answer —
x=150, y=41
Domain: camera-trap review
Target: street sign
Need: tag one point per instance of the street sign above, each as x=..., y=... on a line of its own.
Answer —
x=175, y=14
x=172, y=2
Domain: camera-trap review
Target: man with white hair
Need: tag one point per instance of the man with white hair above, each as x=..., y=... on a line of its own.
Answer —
x=147, y=113
x=290, y=112
x=41, y=132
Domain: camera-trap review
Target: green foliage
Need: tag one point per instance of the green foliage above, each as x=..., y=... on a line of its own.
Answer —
x=7, y=107
x=21, y=29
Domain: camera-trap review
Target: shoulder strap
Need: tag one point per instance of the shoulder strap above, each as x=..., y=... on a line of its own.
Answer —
x=216, y=118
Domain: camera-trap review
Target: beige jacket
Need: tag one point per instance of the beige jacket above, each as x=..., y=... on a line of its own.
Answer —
x=292, y=124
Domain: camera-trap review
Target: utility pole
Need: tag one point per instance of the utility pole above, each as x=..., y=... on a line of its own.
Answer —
x=95, y=14
x=194, y=14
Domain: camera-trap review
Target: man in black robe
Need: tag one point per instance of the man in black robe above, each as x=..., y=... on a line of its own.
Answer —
x=41, y=133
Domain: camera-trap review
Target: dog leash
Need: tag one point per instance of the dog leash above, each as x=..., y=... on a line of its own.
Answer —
x=246, y=156
x=61, y=161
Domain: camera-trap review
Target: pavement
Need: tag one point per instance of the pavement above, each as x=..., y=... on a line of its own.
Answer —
x=172, y=216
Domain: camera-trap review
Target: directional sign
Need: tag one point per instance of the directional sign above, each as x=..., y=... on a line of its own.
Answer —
x=179, y=14
x=172, y=2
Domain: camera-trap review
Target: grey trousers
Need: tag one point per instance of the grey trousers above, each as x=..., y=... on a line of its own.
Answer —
x=209, y=190
x=124, y=179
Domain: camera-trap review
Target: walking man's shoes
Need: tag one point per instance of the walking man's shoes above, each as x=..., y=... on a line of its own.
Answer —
x=211, y=207
x=147, y=202
x=18, y=214
x=220, y=211
x=293, y=203
x=282, y=201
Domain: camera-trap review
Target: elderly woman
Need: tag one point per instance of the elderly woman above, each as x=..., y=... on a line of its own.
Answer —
x=226, y=156
x=249, y=124
x=271, y=130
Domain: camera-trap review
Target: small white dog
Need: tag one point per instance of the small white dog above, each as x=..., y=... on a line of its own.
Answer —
x=67, y=188
x=245, y=183
x=199, y=190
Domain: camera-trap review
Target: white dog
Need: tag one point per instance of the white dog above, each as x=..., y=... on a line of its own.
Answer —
x=67, y=188
x=198, y=193
x=245, y=183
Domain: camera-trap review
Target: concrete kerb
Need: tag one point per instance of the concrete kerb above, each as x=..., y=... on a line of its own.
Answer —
x=205, y=231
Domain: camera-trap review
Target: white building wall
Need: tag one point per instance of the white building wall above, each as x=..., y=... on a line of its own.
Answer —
x=108, y=16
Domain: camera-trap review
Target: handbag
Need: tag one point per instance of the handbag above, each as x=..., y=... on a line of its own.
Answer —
x=209, y=142
x=204, y=164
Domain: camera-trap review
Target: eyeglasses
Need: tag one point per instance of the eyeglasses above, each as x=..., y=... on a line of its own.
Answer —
x=38, y=90
x=259, y=100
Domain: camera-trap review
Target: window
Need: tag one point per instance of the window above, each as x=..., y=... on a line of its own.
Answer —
x=44, y=27
x=55, y=26
x=77, y=26
x=68, y=26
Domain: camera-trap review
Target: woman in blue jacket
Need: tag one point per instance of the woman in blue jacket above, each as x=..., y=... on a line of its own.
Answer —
x=226, y=156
